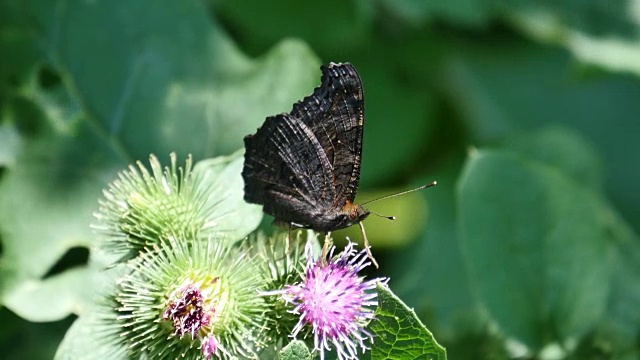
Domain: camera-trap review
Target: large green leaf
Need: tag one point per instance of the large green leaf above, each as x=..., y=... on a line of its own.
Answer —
x=52, y=298
x=10, y=141
x=165, y=71
x=146, y=78
x=399, y=334
x=47, y=201
x=332, y=25
x=563, y=149
x=513, y=87
x=528, y=232
x=588, y=17
x=620, y=326
x=19, y=42
x=459, y=12
x=617, y=51
x=95, y=334
x=235, y=218
x=86, y=340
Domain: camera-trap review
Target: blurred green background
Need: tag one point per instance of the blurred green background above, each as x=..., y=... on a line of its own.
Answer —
x=527, y=115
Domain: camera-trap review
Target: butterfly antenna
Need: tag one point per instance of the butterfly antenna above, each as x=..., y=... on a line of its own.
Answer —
x=367, y=247
x=383, y=216
x=400, y=193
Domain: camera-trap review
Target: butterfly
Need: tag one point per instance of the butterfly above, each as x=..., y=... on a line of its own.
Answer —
x=304, y=166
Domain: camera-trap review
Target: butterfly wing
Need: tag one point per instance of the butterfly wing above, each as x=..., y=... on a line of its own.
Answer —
x=287, y=171
x=335, y=115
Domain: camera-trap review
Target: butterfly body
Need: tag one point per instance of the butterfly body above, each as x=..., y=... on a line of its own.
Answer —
x=304, y=166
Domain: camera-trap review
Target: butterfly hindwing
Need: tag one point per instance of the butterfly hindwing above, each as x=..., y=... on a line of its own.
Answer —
x=275, y=175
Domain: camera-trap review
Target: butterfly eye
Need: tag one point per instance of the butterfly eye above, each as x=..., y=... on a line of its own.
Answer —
x=353, y=215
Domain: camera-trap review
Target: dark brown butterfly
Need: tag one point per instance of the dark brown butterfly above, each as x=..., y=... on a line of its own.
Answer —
x=304, y=166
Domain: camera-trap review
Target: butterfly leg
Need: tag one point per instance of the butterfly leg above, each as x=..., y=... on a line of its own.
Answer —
x=286, y=249
x=325, y=248
x=367, y=247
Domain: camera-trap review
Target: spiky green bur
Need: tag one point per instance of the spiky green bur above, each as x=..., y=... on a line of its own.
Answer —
x=282, y=261
x=192, y=300
x=141, y=209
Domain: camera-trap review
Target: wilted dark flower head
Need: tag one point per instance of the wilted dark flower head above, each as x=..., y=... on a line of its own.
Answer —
x=188, y=312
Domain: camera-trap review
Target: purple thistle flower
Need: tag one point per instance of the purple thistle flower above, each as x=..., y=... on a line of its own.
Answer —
x=209, y=346
x=334, y=301
x=187, y=311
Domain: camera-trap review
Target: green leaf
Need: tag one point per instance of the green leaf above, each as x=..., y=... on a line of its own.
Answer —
x=9, y=144
x=620, y=326
x=528, y=233
x=155, y=78
x=183, y=87
x=585, y=17
x=32, y=299
x=95, y=333
x=459, y=12
x=223, y=178
x=295, y=350
x=398, y=333
x=259, y=24
x=83, y=341
x=617, y=51
x=498, y=99
x=18, y=39
x=47, y=201
x=564, y=149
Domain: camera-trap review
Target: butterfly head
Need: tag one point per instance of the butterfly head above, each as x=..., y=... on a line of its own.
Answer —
x=352, y=214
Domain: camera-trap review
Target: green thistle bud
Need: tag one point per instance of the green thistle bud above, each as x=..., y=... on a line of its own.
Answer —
x=192, y=300
x=282, y=260
x=141, y=209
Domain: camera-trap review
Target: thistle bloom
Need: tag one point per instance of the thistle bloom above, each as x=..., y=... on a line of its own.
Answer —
x=334, y=301
x=189, y=315
x=191, y=300
x=187, y=311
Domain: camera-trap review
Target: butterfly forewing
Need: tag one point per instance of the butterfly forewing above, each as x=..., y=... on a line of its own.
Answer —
x=335, y=114
x=305, y=166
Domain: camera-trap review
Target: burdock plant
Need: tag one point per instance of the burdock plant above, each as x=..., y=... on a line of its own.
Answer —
x=189, y=284
x=189, y=292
